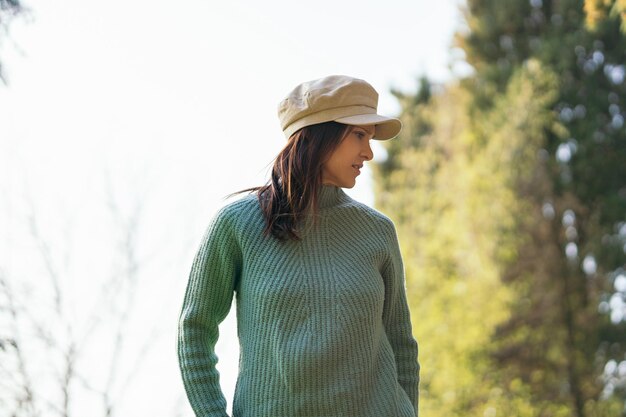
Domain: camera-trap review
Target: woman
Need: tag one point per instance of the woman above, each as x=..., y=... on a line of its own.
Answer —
x=322, y=316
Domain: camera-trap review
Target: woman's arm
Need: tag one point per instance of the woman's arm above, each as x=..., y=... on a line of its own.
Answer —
x=208, y=298
x=397, y=320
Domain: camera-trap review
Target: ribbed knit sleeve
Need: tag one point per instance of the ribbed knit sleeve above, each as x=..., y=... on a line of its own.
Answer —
x=397, y=320
x=214, y=273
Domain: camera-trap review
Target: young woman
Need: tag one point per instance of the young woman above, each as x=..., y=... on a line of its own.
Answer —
x=322, y=316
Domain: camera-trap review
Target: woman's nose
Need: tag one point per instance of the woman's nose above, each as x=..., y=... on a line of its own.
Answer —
x=367, y=152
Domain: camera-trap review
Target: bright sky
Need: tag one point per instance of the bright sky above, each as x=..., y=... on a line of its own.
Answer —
x=176, y=101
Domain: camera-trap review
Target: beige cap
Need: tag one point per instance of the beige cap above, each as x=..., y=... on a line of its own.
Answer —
x=336, y=98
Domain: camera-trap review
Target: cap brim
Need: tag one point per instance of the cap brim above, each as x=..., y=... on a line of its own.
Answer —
x=386, y=127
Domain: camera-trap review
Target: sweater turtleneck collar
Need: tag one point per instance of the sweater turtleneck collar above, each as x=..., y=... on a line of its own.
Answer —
x=330, y=196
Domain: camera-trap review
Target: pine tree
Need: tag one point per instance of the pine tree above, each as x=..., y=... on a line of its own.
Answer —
x=521, y=168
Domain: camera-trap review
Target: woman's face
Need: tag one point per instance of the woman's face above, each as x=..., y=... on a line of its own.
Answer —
x=346, y=161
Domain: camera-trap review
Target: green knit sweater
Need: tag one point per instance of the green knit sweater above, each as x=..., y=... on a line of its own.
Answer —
x=323, y=323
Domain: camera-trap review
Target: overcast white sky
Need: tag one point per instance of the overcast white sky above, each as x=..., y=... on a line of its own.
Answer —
x=176, y=101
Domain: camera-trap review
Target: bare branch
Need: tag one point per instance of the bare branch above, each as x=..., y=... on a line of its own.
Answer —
x=55, y=334
x=46, y=255
x=25, y=398
x=9, y=9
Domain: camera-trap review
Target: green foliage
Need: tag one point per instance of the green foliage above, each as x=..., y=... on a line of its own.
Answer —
x=491, y=183
x=598, y=11
x=458, y=298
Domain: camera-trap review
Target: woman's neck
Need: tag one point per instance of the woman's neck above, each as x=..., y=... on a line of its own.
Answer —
x=329, y=196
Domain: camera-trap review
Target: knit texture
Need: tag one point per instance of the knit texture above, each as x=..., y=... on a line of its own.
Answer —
x=323, y=323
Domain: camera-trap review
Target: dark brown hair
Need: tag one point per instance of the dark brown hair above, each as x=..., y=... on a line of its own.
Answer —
x=296, y=178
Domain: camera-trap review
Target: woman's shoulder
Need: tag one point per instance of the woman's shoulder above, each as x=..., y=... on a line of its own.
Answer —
x=373, y=216
x=368, y=211
x=241, y=210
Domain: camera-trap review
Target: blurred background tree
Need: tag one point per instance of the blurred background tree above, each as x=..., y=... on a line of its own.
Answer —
x=598, y=11
x=49, y=336
x=9, y=9
x=509, y=192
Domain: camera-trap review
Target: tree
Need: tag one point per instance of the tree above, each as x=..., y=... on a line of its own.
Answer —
x=530, y=163
x=48, y=341
x=9, y=9
x=598, y=11
x=582, y=193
